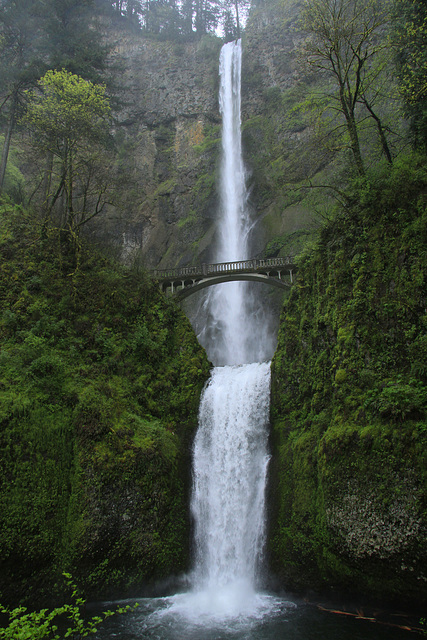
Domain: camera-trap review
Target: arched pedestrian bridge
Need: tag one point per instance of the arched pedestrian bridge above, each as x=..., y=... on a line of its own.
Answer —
x=183, y=282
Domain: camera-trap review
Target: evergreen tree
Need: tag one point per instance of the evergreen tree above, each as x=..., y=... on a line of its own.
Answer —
x=74, y=39
x=21, y=62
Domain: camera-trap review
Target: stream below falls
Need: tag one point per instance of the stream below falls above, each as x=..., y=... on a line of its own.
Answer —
x=271, y=618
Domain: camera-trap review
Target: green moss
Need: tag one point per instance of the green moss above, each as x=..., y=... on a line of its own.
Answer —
x=211, y=140
x=100, y=378
x=205, y=187
x=349, y=459
x=165, y=188
x=190, y=219
x=340, y=376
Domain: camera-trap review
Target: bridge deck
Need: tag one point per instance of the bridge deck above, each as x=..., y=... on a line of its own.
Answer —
x=184, y=281
x=266, y=266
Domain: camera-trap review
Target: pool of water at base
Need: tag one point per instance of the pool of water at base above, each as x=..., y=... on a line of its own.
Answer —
x=270, y=617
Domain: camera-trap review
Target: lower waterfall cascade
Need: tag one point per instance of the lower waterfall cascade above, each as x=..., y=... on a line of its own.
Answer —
x=230, y=466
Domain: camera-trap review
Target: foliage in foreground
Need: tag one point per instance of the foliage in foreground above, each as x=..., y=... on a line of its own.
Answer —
x=36, y=625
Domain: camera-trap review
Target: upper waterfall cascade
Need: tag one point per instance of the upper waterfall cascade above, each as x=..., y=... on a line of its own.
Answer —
x=236, y=330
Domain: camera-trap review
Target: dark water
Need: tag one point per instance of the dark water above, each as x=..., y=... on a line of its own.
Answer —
x=271, y=618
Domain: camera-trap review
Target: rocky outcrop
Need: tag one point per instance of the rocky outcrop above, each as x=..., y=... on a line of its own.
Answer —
x=275, y=139
x=169, y=133
x=349, y=404
x=271, y=42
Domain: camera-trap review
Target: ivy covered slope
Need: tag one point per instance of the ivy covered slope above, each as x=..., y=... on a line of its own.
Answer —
x=100, y=378
x=349, y=400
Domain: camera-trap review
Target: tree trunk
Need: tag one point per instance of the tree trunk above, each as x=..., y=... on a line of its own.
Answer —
x=70, y=189
x=7, y=139
x=382, y=136
x=47, y=180
x=348, y=112
x=237, y=18
x=355, y=147
x=49, y=206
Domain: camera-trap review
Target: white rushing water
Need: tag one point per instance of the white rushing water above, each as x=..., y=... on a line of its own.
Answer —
x=230, y=464
x=236, y=330
x=230, y=449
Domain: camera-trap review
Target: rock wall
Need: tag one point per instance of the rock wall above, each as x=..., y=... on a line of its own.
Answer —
x=169, y=140
x=349, y=402
x=275, y=139
x=168, y=134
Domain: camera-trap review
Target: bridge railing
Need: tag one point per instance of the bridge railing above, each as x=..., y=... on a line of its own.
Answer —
x=222, y=267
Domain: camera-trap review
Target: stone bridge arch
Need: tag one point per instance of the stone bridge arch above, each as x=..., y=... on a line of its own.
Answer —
x=183, y=282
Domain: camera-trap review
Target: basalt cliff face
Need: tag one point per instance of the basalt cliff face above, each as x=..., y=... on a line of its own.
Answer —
x=169, y=125
x=169, y=138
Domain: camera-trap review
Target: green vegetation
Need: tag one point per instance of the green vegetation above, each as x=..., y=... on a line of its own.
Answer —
x=410, y=37
x=38, y=35
x=346, y=46
x=100, y=378
x=180, y=22
x=349, y=397
x=35, y=625
x=68, y=119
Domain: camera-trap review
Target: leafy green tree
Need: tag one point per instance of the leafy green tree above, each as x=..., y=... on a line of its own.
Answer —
x=69, y=119
x=346, y=44
x=36, y=35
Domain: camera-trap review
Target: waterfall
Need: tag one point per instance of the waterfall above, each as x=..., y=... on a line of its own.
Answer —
x=230, y=464
x=236, y=330
x=230, y=449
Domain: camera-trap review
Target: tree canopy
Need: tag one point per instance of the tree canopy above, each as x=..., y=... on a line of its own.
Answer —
x=68, y=118
x=346, y=44
x=68, y=110
x=182, y=20
x=36, y=35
